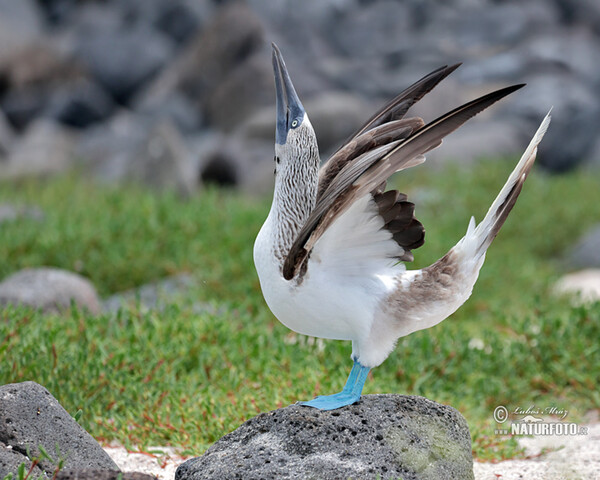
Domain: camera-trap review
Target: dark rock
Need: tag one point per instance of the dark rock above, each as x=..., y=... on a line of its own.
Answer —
x=7, y=136
x=592, y=163
x=561, y=153
x=220, y=170
x=79, y=103
x=106, y=149
x=562, y=92
x=10, y=212
x=502, y=67
x=503, y=25
x=207, y=64
x=122, y=60
x=49, y=289
x=10, y=460
x=20, y=26
x=45, y=148
x=32, y=74
x=163, y=161
x=178, y=21
x=157, y=295
x=335, y=116
x=481, y=139
x=58, y=11
x=23, y=105
x=30, y=416
x=582, y=12
x=354, y=35
x=175, y=107
x=102, y=475
x=92, y=17
x=586, y=252
x=133, y=147
x=572, y=50
x=227, y=41
x=237, y=161
x=247, y=88
x=574, y=117
x=386, y=436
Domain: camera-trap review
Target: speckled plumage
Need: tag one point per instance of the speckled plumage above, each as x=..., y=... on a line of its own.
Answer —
x=296, y=177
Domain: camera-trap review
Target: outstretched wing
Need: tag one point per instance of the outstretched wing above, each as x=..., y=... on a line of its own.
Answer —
x=383, y=127
x=367, y=169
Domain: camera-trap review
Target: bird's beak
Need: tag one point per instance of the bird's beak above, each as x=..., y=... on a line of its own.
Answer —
x=289, y=107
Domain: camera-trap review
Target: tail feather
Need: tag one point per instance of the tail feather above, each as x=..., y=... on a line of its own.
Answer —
x=486, y=231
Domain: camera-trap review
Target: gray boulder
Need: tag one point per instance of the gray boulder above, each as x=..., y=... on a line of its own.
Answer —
x=10, y=460
x=174, y=107
x=136, y=147
x=390, y=436
x=482, y=139
x=105, y=150
x=30, y=416
x=20, y=25
x=79, y=103
x=45, y=148
x=244, y=90
x=31, y=74
x=49, y=289
x=237, y=161
x=586, y=252
x=7, y=135
x=123, y=59
x=216, y=63
x=9, y=212
x=163, y=161
x=156, y=295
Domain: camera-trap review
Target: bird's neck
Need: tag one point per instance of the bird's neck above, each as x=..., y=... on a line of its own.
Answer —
x=296, y=182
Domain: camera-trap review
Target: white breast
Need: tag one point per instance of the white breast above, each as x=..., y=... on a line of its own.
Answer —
x=337, y=297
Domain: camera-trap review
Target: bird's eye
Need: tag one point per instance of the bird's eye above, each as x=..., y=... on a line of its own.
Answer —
x=295, y=123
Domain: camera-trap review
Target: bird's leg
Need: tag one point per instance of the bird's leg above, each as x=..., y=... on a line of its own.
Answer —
x=350, y=393
x=349, y=383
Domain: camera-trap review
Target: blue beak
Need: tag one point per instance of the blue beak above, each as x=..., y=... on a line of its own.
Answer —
x=290, y=111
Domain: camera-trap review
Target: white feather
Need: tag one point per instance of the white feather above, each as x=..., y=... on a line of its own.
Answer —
x=356, y=245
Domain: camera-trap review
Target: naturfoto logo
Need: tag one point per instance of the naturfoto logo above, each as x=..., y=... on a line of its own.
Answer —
x=530, y=421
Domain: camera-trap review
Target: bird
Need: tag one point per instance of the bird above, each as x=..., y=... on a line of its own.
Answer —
x=331, y=254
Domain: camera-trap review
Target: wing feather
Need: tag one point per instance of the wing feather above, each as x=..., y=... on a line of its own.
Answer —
x=364, y=174
x=384, y=121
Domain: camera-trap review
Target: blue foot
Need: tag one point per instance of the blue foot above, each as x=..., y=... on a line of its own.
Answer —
x=331, y=402
x=349, y=395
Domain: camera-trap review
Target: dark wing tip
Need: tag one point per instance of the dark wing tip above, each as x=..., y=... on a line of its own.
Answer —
x=398, y=216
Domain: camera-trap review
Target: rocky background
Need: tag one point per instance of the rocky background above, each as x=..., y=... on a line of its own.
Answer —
x=174, y=93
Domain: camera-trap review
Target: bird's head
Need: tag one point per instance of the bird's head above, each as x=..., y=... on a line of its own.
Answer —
x=294, y=134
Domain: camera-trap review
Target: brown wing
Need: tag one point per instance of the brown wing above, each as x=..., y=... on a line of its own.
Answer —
x=365, y=174
x=382, y=127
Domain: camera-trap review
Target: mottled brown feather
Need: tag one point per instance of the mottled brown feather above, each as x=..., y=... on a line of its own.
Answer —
x=386, y=118
x=399, y=220
x=383, y=135
x=366, y=173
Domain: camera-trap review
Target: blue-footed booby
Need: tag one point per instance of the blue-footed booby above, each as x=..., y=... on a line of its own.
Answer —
x=330, y=253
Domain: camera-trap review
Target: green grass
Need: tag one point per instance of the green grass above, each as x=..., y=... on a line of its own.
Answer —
x=182, y=378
